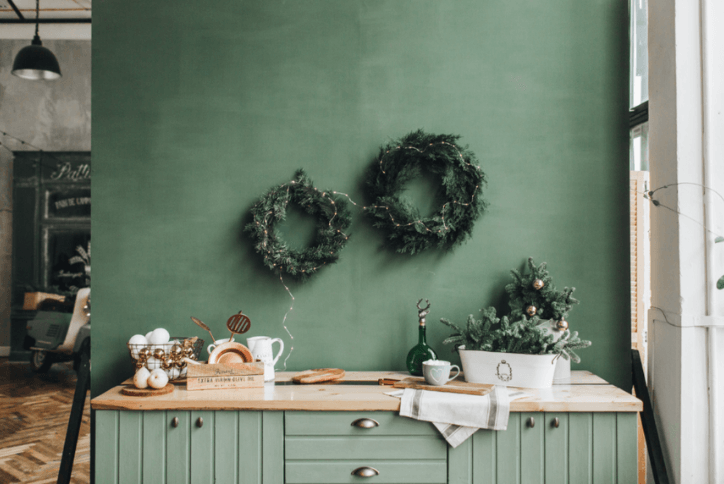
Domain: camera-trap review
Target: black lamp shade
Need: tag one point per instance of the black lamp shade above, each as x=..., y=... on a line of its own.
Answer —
x=35, y=62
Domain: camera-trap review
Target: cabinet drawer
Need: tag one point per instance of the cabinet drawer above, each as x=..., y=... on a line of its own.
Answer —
x=343, y=423
x=333, y=448
x=390, y=471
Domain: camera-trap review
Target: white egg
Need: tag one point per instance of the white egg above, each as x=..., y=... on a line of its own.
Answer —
x=158, y=379
x=148, y=335
x=153, y=363
x=140, y=379
x=173, y=373
x=137, y=339
x=159, y=336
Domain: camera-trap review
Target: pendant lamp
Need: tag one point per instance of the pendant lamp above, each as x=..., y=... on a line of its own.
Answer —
x=35, y=62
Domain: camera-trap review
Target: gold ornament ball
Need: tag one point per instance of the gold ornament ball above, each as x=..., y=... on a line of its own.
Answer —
x=562, y=325
x=141, y=361
x=538, y=284
x=159, y=353
x=531, y=310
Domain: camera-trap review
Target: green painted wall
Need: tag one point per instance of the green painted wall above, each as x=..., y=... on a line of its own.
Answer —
x=200, y=106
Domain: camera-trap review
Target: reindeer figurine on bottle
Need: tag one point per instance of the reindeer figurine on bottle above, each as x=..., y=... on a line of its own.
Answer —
x=421, y=351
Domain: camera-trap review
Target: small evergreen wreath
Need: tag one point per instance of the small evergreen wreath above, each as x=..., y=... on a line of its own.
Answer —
x=333, y=216
x=461, y=178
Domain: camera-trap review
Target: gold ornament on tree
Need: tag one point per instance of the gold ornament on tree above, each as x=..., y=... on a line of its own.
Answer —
x=531, y=310
x=538, y=284
x=562, y=325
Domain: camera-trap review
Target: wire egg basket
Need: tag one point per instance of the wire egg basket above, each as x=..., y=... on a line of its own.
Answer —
x=168, y=356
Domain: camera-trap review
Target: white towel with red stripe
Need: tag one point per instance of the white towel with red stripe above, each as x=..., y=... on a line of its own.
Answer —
x=458, y=416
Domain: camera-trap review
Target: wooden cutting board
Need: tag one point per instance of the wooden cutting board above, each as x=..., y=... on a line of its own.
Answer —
x=418, y=383
x=320, y=375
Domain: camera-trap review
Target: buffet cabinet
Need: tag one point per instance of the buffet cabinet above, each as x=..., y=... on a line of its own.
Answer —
x=276, y=447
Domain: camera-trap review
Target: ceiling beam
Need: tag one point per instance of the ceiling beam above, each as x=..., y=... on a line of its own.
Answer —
x=17, y=11
x=64, y=31
x=46, y=21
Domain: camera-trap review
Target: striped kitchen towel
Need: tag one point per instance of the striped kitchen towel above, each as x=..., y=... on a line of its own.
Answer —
x=459, y=416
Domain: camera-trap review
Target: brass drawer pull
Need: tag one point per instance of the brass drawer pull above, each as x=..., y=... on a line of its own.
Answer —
x=200, y=422
x=556, y=422
x=174, y=422
x=366, y=471
x=366, y=423
x=531, y=422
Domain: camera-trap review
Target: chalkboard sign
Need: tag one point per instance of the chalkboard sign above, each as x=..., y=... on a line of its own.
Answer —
x=67, y=204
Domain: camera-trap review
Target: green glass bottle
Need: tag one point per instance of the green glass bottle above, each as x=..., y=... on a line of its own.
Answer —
x=421, y=351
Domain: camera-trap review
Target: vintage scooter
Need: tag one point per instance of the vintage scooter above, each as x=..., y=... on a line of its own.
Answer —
x=54, y=337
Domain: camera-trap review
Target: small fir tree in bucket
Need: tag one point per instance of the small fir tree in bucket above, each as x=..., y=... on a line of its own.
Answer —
x=534, y=294
x=536, y=307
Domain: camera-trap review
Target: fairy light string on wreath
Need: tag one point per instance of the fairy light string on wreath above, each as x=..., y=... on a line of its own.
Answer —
x=462, y=181
x=422, y=222
x=333, y=220
x=398, y=147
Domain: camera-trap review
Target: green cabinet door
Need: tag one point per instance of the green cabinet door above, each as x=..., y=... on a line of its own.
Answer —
x=580, y=447
x=185, y=447
x=550, y=448
x=106, y=448
x=202, y=447
x=532, y=446
x=178, y=446
x=555, y=429
x=237, y=447
x=154, y=449
x=273, y=448
x=130, y=448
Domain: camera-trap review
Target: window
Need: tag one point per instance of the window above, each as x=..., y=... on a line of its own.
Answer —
x=639, y=148
x=639, y=82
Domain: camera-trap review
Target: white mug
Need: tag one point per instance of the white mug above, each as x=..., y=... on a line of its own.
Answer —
x=261, y=349
x=213, y=346
x=437, y=372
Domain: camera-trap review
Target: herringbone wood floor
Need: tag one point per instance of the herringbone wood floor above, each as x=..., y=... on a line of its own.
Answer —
x=34, y=412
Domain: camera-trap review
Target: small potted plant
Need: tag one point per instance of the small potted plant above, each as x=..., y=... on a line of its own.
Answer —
x=521, y=353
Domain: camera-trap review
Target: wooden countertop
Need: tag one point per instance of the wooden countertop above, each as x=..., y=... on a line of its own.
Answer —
x=585, y=392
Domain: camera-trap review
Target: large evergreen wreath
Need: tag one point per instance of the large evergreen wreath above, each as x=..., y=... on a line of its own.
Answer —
x=461, y=178
x=333, y=219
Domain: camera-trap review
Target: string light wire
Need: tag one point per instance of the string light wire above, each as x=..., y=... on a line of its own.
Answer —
x=284, y=321
x=656, y=203
x=43, y=154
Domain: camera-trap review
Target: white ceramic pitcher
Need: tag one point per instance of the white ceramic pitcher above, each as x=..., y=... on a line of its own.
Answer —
x=261, y=349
